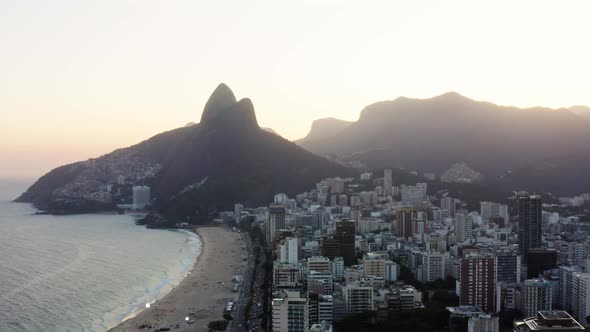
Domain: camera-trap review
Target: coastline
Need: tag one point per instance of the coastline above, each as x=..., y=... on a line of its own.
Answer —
x=203, y=294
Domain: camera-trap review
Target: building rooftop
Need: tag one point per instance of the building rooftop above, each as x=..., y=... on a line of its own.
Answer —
x=554, y=315
x=549, y=320
x=465, y=311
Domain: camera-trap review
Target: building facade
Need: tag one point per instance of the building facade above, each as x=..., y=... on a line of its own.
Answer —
x=536, y=296
x=529, y=222
x=275, y=220
x=290, y=313
x=477, y=282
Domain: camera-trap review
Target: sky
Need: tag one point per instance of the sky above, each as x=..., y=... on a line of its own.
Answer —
x=81, y=78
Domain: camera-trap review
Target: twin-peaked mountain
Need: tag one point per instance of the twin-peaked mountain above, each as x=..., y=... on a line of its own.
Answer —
x=537, y=148
x=195, y=170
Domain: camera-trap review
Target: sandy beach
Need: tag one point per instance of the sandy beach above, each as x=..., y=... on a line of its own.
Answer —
x=203, y=294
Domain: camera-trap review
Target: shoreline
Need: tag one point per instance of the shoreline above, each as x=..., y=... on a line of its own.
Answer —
x=137, y=308
x=203, y=294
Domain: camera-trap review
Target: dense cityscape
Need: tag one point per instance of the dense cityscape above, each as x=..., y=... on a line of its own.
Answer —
x=358, y=254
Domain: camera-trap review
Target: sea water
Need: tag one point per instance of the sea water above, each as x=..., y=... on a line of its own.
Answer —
x=82, y=272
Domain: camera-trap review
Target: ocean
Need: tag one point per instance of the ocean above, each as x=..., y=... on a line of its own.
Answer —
x=82, y=272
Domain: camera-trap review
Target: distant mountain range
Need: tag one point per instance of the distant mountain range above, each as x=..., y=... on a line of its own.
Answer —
x=538, y=148
x=194, y=171
x=581, y=110
x=200, y=169
x=323, y=129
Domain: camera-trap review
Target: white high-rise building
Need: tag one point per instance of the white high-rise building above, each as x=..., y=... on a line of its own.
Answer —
x=290, y=313
x=343, y=200
x=566, y=276
x=281, y=198
x=358, y=297
x=483, y=323
x=434, y=266
x=286, y=275
x=448, y=204
x=374, y=266
x=536, y=296
x=581, y=296
x=414, y=194
x=463, y=227
x=355, y=200
x=387, y=182
x=503, y=212
x=369, y=198
x=290, y=251
x=368, y=225
x=338, y=268
x=141, y=197
x=337, y=186
x=392, y=271
x=491, y=209
x=366, y=176
x=577, y=252
x=319, y=264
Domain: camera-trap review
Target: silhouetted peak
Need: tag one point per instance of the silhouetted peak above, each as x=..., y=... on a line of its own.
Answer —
x=221, y=100
x=240, y=115
x=245, y=112
x=451, y=96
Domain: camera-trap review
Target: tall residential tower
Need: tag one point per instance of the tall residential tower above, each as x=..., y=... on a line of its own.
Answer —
x=529, y=221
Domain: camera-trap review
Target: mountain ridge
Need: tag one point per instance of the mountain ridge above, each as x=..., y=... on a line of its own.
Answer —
x=193, y=171
x=322, y=128
x=430, y=135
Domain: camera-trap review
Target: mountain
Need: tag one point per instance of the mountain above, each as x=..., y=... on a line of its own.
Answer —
x=580, y=109
x=322, y=129
x=270, y=130
x=583, y=111
x=431, y=135
x=193, y=171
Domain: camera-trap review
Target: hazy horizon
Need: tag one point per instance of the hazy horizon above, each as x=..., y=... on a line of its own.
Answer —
x=81, y=79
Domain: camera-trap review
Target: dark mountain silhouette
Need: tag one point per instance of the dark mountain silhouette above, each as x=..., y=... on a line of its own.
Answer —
x=429, y=135
x=322, y=129
x=270, y=130
x=198, y=170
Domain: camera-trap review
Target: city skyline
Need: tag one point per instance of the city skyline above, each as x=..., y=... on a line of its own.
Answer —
x=82, y=80
x=307, y=166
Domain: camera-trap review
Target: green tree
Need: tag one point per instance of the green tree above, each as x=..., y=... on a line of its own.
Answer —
x=217, y=325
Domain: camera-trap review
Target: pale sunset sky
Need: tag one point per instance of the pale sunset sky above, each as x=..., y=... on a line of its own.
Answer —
x=81, y=78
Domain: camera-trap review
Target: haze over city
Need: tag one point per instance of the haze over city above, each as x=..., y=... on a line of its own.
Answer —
x=80, y=79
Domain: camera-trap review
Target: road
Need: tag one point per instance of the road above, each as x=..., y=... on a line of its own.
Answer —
x=257, y=313
x=237, y=324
